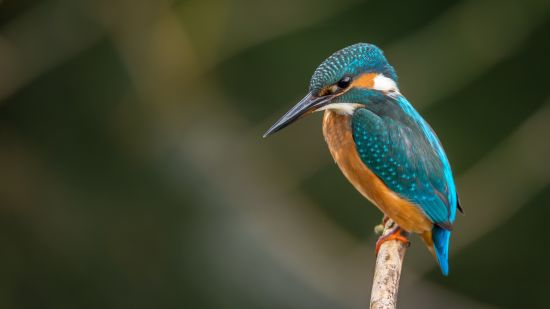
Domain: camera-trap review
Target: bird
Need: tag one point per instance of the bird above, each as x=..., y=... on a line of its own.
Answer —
x=382, y=145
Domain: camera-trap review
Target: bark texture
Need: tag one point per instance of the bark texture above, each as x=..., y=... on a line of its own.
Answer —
x=387, y=271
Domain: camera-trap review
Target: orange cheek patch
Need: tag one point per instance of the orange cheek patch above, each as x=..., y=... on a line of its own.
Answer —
x=365, y=80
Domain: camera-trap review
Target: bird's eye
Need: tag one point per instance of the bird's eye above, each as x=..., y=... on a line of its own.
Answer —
x=337, y=87
x=344, y=82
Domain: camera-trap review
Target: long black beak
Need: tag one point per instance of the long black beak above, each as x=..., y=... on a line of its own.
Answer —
x=309, y=103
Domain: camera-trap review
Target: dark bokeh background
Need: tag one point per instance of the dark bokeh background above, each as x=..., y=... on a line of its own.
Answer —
x=133, y=173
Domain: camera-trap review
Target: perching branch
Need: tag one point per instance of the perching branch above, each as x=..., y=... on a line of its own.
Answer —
x=387, y=270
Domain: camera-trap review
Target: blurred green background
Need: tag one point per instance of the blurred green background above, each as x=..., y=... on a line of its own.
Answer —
x=133, y=173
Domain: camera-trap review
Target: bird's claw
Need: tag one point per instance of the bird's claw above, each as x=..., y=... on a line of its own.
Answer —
x=396, y=234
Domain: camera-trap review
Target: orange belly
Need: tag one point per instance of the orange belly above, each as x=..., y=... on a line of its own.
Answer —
x=338, y=135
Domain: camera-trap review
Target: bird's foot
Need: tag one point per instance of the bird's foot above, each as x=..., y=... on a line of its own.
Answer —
x=396, y=233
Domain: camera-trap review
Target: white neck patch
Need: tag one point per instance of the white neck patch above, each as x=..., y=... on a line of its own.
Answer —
x=385, y=84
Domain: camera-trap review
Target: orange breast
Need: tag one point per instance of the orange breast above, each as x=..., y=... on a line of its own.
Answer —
x=338, y=135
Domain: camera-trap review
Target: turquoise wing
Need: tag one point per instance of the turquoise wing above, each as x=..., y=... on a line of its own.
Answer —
x=407, y=156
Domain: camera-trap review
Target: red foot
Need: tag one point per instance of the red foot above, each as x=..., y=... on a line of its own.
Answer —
x=396, y=234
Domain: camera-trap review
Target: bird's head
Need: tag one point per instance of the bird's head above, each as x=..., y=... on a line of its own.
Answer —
x=344, y=81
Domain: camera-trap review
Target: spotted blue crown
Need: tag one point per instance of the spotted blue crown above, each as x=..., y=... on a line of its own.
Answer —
x=352, y=60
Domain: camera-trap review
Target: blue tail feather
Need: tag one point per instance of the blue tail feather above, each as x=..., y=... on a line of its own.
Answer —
x=441, y=238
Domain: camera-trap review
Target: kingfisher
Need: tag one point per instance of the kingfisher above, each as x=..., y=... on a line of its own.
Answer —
x=388, y=152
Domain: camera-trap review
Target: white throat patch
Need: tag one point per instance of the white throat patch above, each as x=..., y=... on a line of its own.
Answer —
x=340, y=108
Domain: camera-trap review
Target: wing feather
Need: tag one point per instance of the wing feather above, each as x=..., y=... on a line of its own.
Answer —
x=405, y=159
